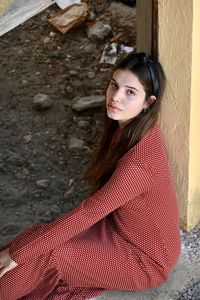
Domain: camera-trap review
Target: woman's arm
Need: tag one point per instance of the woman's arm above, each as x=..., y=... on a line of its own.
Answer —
x=129, y=180
x=6, y=262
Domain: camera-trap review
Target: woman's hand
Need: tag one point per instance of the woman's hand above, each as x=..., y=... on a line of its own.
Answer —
x=6, y=262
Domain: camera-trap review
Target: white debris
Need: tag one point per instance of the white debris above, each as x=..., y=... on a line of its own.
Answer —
x=109, y=55
x=65, y=3
x=126, y=49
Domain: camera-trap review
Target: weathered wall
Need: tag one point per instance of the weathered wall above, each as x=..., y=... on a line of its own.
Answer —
x=179, y=50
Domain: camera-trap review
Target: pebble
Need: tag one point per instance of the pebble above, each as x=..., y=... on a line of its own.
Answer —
x=69, y=89
x=92, y=16
x=193, y=293
x=65, y=76
x=69, y=192
x=52, y=34
x=26, y=139
x=42, y=101
x=91, y=75
x=82, y=124
x=77, y=83
x=46, y=40
x=75, y=143
x=20, y=52
x=44, y=18
x=73, y=73
x=90, y=48
x=42, y=183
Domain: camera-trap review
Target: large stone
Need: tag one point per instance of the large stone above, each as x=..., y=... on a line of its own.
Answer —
x=86, y=103
x=71, y=17
x=98, y=31
x=42, y=101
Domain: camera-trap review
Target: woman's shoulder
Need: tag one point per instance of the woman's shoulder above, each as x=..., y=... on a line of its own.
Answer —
x=150, y=150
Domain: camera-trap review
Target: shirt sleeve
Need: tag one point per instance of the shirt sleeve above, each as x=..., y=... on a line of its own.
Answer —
x=129, y=180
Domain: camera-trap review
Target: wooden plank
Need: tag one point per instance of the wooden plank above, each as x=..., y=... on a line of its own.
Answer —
x=20, y=11
x=144, y=25
x=155, y=28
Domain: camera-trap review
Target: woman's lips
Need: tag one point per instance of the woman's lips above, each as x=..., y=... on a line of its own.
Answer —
x=113, y=108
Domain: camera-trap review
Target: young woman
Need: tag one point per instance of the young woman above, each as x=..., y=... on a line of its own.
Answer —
x=125, y=235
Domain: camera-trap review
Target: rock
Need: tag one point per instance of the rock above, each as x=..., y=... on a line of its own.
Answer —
x=42, y=101
x=55, y=210
x=86, y=103
x=92, y=16
x=46, y=40
x=90, y=48
x=55, y=54
x=71, y=181
x=71, y=17
x=52, y=34
x=69, y=192
x=82, y=124
x=77, y=83
x=42, y=183
x=44, y=18
x=98, y=31
x=75, y=143
x=21, y=52
x=91, y=75
x=26, y=139
x=73, y=73
x=69, y=89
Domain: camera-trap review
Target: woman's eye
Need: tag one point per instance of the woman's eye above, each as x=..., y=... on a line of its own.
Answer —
x=131, y=92
x=113, y=85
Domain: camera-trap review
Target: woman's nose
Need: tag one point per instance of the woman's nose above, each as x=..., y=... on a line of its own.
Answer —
x=117, y=96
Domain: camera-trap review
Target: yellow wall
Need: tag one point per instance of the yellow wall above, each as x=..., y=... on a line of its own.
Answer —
x=194, y=150
x=175, y=51
x=179, y=52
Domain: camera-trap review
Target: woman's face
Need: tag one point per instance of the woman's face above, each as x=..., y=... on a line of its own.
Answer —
x=125, y=97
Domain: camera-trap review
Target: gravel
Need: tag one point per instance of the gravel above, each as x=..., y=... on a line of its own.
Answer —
x=193, y=293
x=191, y=245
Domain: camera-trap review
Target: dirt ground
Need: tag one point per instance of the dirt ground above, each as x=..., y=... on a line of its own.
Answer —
x=41, y=176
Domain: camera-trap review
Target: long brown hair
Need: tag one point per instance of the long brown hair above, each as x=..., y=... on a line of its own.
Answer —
x=151, y=75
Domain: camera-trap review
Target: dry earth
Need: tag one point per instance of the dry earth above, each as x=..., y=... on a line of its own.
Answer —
x=41, y=172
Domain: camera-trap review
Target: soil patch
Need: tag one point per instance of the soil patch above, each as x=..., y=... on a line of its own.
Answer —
x=41, y=174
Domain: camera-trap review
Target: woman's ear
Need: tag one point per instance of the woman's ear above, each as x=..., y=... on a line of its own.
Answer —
x=149, y=101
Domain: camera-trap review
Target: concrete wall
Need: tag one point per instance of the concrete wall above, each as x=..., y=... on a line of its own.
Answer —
x=179, y=49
